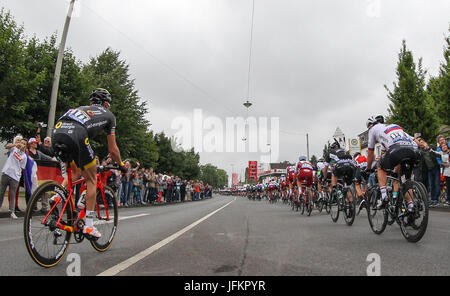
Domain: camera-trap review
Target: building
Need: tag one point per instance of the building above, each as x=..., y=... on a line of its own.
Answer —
x=273, y=170
x=364, y=139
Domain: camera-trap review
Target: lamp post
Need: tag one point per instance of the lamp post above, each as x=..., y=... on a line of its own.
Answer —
x=53, y=97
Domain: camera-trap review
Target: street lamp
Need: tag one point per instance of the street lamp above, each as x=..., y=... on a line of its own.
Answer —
x=53, y=97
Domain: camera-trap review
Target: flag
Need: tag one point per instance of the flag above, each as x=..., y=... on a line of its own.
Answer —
x=49, y=171
x=30, y=175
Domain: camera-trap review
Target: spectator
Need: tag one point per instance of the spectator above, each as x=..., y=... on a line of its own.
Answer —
x=34, y=153
x=445, y=154
x=160, y=185
x=434, y=173
x=11, y=172
x=125, y=191
x=188, y=191
x=441, y=141
x=170, y=188
x=183, y=190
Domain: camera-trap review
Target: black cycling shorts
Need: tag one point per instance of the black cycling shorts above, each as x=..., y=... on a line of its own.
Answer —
x=75, y=137
x=346, y=170
x=396, y=154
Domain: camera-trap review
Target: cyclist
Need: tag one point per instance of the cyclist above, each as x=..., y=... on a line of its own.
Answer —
x=361, y=161
x=342, y=165
x=283, y=187
x=271, y=189
x=304, y=173
x=396, y=146
x=322, y=174
x=71, y=138
x=290, y=181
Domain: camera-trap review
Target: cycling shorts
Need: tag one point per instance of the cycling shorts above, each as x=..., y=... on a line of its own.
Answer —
x=396, y=154
x=305, y=177
x=75, y=137
x=346, y=170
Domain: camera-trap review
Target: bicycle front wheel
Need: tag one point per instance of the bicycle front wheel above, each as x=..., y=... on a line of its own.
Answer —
x=45, y=242
x=107, y=219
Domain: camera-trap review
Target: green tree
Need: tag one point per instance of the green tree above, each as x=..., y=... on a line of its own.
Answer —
x=439, y=87
x=133, y=137
x=222, y=178
x=26, y=77
x=411, y=106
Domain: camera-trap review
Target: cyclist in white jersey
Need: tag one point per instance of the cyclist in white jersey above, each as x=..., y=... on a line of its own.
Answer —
x=396, y=146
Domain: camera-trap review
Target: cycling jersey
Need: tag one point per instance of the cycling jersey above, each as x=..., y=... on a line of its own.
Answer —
x=362, y=161
x=94, y=118
x=321, y=165
x=388, y=135
x=304, y=171
x=77, y=126
x=291, y=173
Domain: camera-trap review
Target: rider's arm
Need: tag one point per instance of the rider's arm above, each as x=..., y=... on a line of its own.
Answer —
x=370, y=158
x=113, y=149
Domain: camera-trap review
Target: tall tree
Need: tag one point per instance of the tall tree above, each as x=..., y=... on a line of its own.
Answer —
x=439, y=87
x=133, y=138
x=411, y=106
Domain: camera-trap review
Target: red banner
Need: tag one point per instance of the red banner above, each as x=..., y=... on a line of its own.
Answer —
x=253, y=170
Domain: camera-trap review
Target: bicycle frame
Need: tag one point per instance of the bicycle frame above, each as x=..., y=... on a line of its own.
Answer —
x=70, y=198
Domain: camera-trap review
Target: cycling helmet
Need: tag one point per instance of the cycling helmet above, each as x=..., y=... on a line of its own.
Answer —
x=302, y=158
x=335, y=145
x=372, y=120
x=99, y=96
x=321, y=159
x=380, y=118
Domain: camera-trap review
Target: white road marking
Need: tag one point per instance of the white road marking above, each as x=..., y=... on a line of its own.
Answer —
x=136, y=258
x=111, y=219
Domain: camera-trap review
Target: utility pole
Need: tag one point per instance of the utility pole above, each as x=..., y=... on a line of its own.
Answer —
x=53, y=98
x=307, y=146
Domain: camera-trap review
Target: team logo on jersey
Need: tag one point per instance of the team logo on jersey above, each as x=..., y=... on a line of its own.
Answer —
x=58, y=125
x=86, y=141
x=90, y=112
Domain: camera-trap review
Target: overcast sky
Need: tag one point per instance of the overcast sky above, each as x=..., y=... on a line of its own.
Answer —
x=316, y=64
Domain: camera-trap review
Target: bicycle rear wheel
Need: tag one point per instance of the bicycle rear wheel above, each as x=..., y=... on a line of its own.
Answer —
x=46, y=243
x=413, y=225
x=377, y=218
x=107, y=219
x=334, y=206
x=349, y=208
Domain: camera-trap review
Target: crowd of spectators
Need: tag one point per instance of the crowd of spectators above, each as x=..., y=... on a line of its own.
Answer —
x=139, y=186
x=434, y=168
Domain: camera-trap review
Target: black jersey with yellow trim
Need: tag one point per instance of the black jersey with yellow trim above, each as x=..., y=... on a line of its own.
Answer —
x=95, y=118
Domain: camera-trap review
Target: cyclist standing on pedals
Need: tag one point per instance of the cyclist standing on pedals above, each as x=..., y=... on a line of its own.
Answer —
x=71, y=139
x=397, y=145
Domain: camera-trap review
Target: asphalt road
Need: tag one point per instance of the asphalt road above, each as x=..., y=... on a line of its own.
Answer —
x=233, y=236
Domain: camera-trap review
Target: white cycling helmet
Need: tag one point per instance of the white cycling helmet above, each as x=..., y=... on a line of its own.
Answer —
x=371, y=121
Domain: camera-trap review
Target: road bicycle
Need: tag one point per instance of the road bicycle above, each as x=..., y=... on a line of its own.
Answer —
x=48, y=232
x=339, y=200
x=412, y=224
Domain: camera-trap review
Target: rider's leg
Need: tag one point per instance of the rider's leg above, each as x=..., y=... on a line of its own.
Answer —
x=90, y=175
